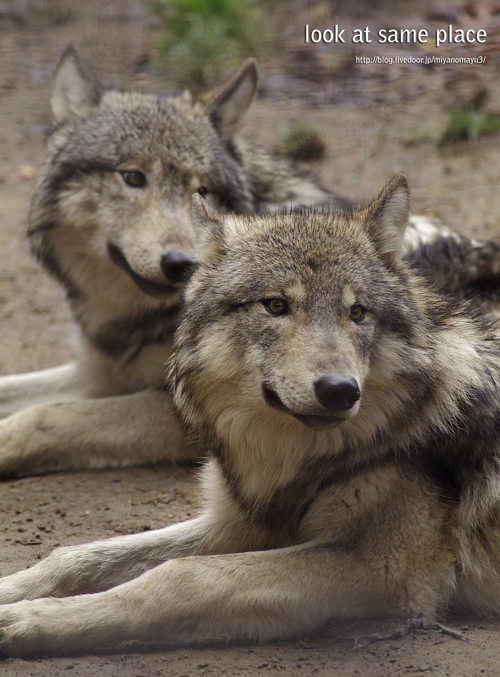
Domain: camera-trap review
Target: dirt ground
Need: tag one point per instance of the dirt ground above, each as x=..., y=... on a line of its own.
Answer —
x=375, y=121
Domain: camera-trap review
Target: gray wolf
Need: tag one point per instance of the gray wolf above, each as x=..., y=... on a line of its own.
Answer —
x=352, y=419
x=110, y=221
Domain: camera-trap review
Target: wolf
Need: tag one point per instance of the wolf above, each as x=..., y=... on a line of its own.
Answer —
x=110, y=221
x=351, y=414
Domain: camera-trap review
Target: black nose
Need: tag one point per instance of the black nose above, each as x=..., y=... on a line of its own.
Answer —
x=176, y=266
x=337, y=392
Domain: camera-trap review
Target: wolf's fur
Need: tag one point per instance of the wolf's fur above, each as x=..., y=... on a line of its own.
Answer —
x=105, y=239
x=317, y=507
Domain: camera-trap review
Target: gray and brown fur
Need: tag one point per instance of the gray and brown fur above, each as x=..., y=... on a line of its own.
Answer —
x=352, y=418
x=110, y=220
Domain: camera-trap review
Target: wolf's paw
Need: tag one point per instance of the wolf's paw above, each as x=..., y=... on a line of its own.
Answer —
x=34, y=628
x=8, y=643
x=19, y=586
x=14, y=630
x=399, y=629
x=8, y=592
x=15, y=443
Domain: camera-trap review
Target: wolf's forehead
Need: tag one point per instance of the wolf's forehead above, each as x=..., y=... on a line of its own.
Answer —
x=162, y=128
x=151, y=105
x=310, y=251
x=301, y=264
x=301, y=270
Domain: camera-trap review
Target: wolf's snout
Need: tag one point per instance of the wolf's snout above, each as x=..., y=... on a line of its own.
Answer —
x=176, y=266
x=337, y=392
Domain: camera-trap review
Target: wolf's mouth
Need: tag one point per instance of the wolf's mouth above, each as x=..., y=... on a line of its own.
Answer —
x=148, y=287
x=310, y=420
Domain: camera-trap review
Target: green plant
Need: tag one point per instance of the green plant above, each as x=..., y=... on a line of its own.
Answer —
x=470, y=124
x=413, y=136
x=203, y=39
x=302, y=142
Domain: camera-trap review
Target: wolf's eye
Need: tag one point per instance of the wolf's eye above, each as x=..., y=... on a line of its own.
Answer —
x=276, y=306
x=202, y=190
x=357, y=313
x=135, y=179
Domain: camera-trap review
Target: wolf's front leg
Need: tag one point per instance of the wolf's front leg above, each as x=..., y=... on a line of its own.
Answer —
x=261, y=595
x=20, y=391
x=101, y=565
x=108, y=432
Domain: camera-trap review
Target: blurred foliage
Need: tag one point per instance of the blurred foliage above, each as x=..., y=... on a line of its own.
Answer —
x=302, y=142
x=413, y=136
x=204, y=39
x=338, y=57
x=469, y=124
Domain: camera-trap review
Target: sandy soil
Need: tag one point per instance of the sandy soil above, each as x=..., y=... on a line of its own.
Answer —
x=375, y=122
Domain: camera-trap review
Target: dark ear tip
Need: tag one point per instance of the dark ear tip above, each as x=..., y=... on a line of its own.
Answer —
x=196, y=206
x=400, y=179
x=71, y=49
x=197, y=201
x=71, y=56
x=250, y=71
x=201, y=210
x=251, y=65
x=71, y=52
x=398, y=184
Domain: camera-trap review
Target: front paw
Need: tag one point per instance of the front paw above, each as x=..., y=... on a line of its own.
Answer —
x=14, y=630
x=23, y=585
x=38, y=628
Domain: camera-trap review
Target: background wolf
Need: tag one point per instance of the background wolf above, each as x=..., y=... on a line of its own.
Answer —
x=109, y=219
x=352, y=415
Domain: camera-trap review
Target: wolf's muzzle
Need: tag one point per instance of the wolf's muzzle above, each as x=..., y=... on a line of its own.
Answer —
x=337, y=392
x=176, y=266
x=147, y=286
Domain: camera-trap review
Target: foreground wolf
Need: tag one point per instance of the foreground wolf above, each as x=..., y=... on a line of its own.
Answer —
x=353, y=419
x=110, y=220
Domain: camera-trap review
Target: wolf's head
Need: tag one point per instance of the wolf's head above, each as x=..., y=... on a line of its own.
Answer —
x=287, y=315
x=122, y=169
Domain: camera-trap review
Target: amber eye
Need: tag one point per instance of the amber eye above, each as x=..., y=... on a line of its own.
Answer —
x=202, y=190
x=357, y=313
x=135, y=179
x=276, y=306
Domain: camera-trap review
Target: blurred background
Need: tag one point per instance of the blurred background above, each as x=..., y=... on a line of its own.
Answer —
x=357, y=123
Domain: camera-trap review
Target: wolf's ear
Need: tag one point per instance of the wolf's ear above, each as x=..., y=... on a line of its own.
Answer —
x=227, y=106
x=75, y=91
x=387, y=218
x=209, y=229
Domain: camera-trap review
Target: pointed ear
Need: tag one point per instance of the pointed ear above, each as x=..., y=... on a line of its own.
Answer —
x=209, y=229
x=75, y=91
x=387, y=218
x=227, y=106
